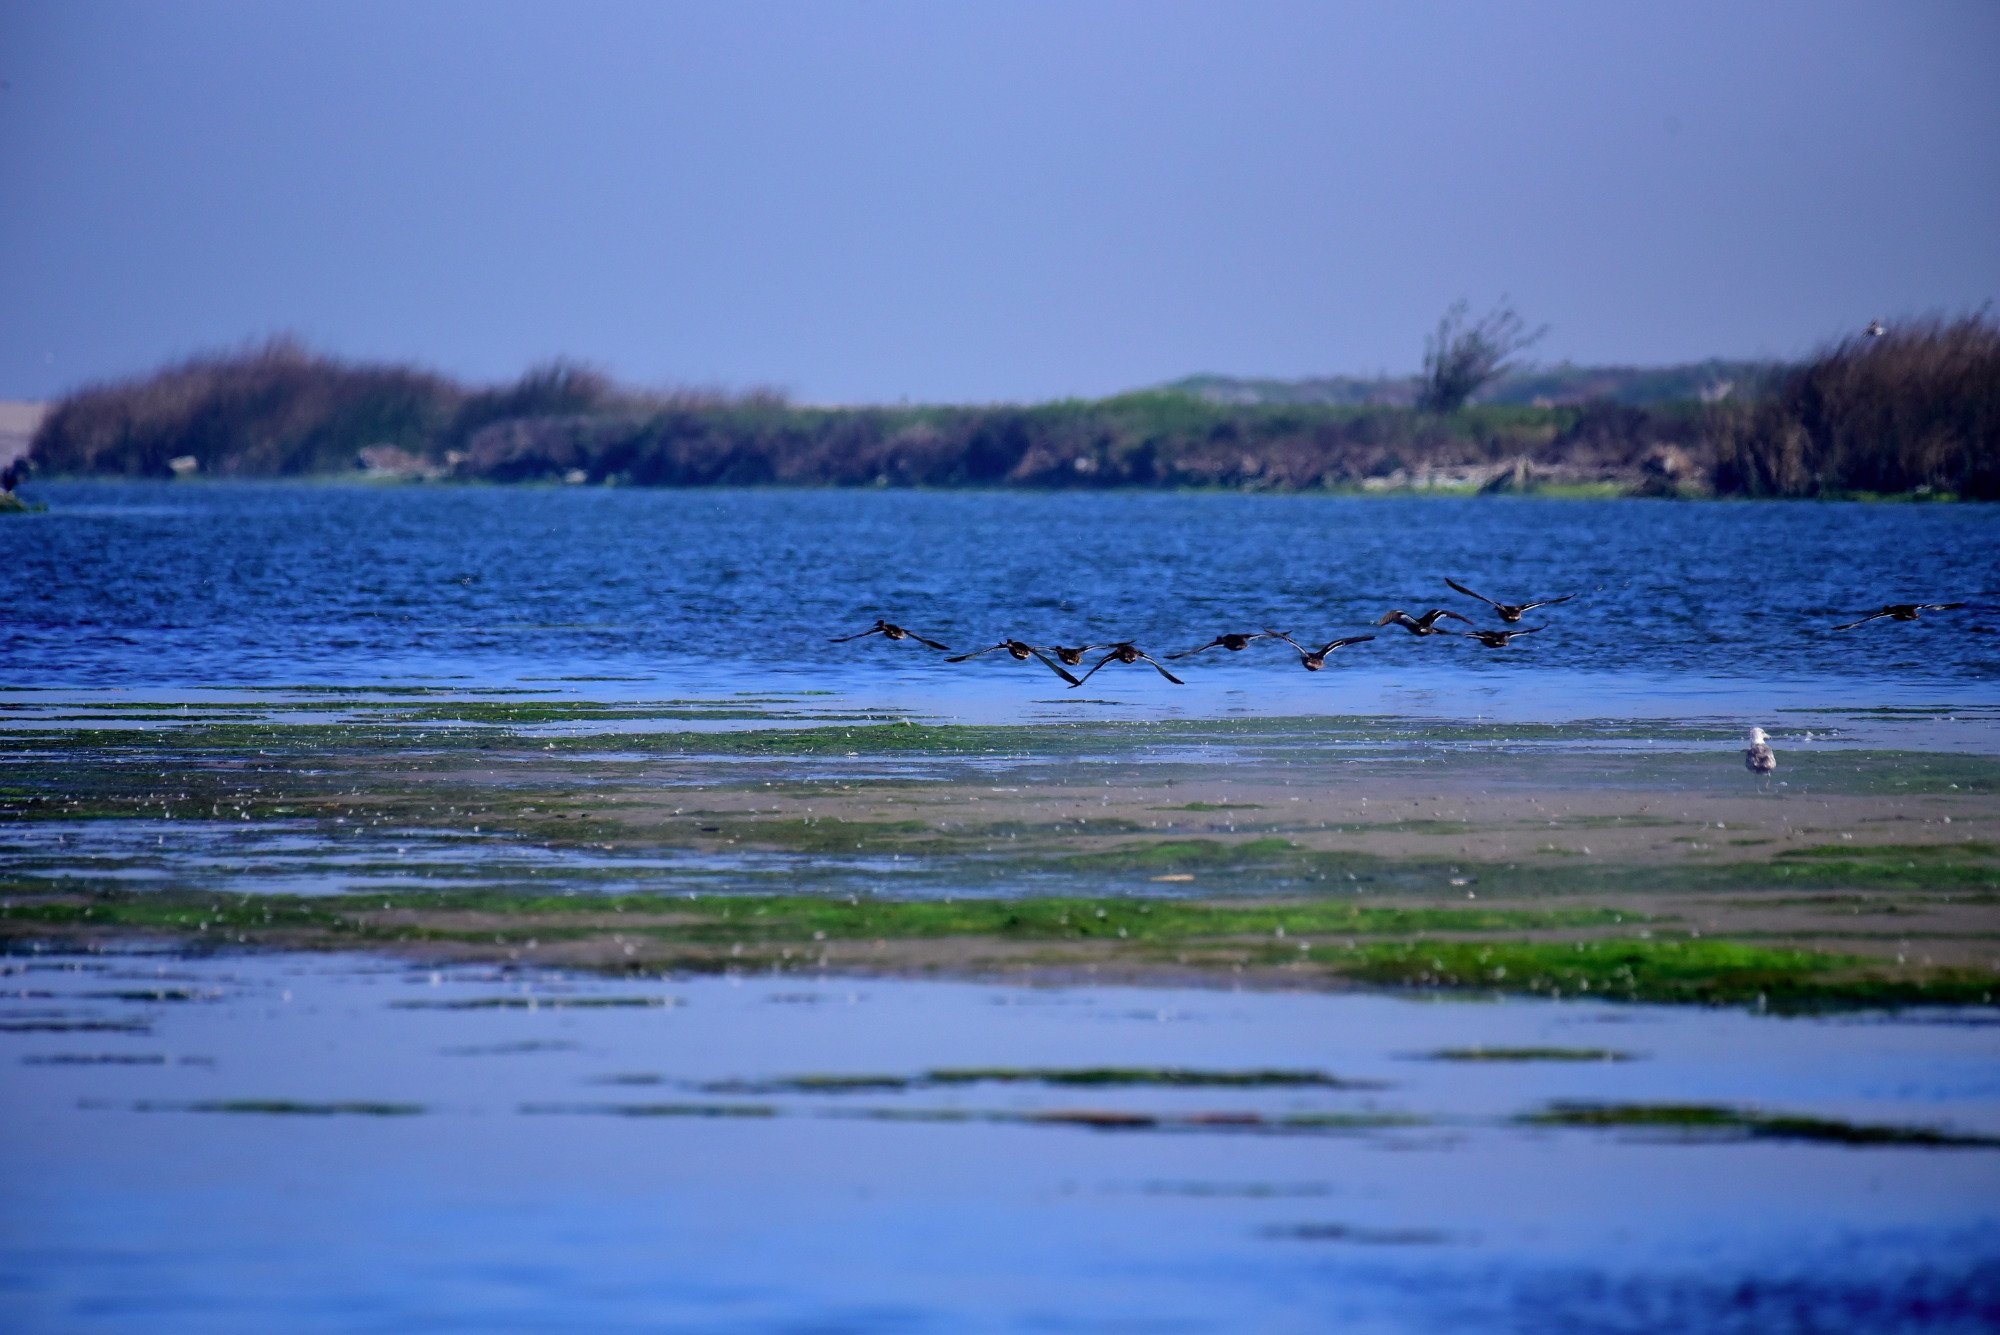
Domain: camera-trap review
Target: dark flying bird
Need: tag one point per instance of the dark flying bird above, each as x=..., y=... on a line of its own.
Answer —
x=1235, y=642
x=1499, y=639
x=1130, y=653
x=1509, y=612
x=1074, y=657
x=1312, y=660
x=1020, y=651
x=1427, y=624
x=1900, y=612
x=891, y=631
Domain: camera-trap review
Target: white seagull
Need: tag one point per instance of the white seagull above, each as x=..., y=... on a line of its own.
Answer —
x=1758, y=757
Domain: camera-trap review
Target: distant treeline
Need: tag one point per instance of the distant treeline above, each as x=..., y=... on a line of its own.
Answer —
x=1917, y=408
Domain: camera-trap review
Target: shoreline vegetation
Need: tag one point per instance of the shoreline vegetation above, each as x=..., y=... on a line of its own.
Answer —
x=1914, y=412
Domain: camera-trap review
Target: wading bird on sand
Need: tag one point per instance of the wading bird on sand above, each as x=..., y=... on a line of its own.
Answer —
x=1509, y=612
x=1758, y=757
x=1131, y=653
x=1312, y=660
x=891, y=631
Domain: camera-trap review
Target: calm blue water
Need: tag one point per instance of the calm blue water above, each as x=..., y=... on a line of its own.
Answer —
x=547, y=1184
x=164, y=585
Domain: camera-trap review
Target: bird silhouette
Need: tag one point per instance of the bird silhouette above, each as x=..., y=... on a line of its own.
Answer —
x=1235, y=642
x=1074, y=657
x=1499, y=639
x=1312, y=660
x=1020, y=651
x=891, y=631
x=1427, y=624
x=1900, y=612
x=1509, y=612
x=1127, y=652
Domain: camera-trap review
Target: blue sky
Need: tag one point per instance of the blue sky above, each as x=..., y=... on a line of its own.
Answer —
x=974, y=202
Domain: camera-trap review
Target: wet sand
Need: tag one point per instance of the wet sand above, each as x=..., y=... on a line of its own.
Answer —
x=494, y=841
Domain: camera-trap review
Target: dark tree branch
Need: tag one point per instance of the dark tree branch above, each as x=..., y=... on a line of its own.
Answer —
x=1461, y=357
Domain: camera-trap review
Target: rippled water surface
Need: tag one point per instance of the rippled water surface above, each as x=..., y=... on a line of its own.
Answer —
x=138, y=584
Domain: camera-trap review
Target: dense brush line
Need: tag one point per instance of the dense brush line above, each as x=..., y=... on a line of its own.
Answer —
x=1916, y=409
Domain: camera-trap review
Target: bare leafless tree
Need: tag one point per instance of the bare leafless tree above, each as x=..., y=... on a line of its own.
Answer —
x=1460, y=357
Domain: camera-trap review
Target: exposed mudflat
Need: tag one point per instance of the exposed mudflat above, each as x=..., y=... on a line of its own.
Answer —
x=1634, y=856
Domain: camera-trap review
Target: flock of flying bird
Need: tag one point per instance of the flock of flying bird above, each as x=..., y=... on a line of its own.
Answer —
x=1312, y=660
x=1758, y=758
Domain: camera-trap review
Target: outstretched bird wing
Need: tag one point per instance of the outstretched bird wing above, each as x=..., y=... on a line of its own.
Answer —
x=1100, y=663
x=875, y=629
x=1189, y=653
x=1057, y=668
x=1447, y=612
x=931, y=644
x=1865, y=620
x=1162, y=671
x=960, y=658
x=1342, y=644
x=1467, y=592
x=1546, y=602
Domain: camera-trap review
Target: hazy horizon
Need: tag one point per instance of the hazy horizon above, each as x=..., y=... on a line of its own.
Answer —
x=986, y=205
x=1524, y=367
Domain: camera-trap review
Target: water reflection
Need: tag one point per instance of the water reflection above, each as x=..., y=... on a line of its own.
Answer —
x=289, y=1141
